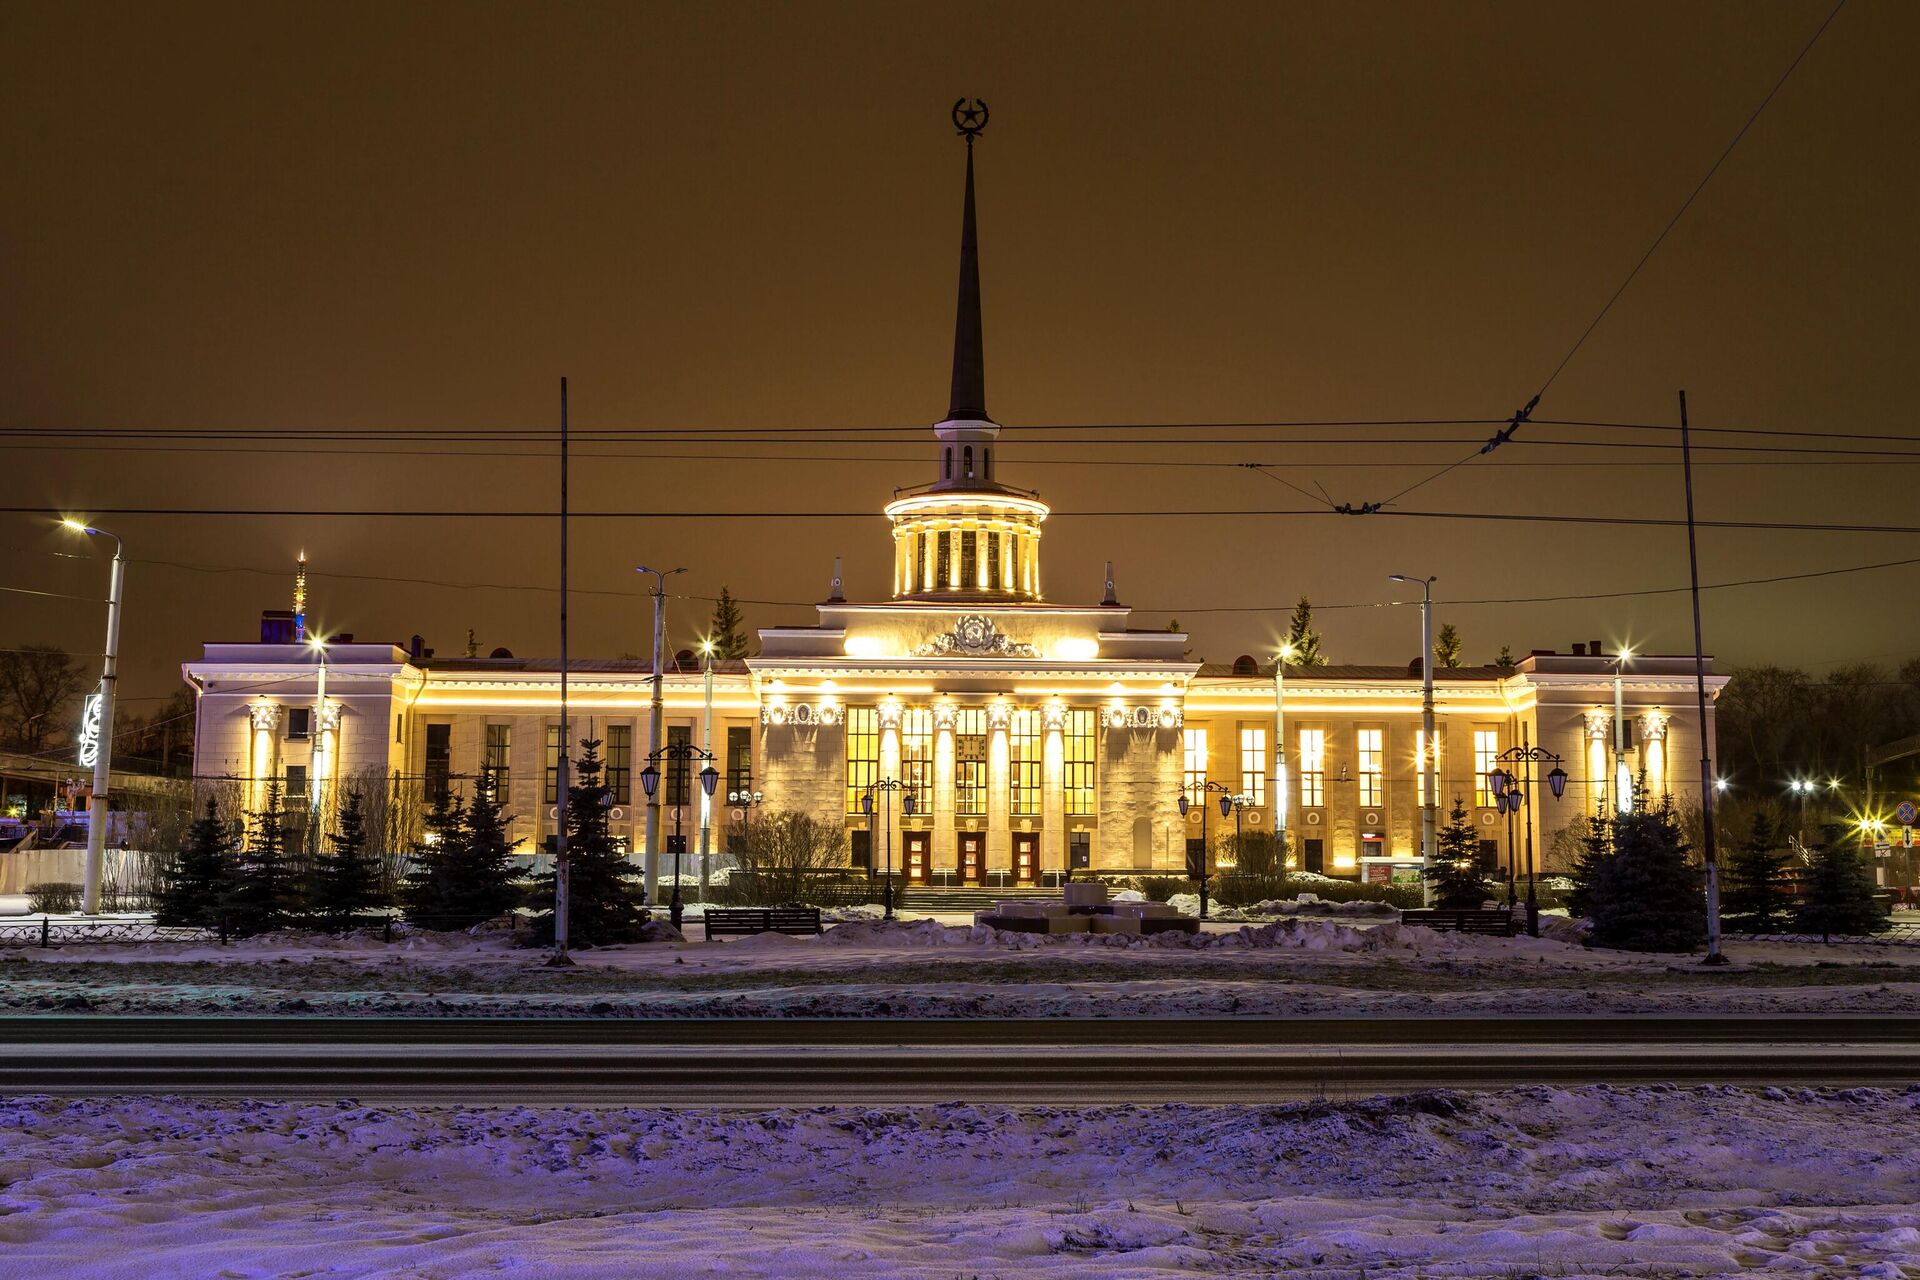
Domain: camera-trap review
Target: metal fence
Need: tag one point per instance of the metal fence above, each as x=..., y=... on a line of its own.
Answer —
x=1894, y=935
x=47, y=932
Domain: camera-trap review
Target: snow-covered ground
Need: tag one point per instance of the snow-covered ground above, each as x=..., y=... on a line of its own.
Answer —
x=1537, y=1182
x=869, y=968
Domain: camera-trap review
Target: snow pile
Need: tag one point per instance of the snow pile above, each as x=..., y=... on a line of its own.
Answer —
x=1712, y=1182
x=1278, y=935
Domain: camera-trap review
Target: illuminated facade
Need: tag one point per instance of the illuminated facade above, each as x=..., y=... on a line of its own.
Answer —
x=1034, y=738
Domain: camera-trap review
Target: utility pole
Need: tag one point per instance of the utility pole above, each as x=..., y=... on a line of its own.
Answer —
x=1714, y=955
x=656, y=732
x=1429, y=748
x=561, y=868
x=706, y=798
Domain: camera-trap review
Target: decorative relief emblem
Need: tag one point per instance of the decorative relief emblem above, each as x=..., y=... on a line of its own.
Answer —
x=1599, y=723
x=974, y=636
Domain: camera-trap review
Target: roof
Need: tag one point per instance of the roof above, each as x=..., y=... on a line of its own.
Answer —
x=1354, y=672
x=578, y=666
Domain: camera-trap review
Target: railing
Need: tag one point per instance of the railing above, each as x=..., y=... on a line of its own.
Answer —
x=47, y=932
x=1894, y=935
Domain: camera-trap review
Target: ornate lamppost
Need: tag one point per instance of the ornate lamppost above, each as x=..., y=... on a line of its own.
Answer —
x=906, y=808
x=685, y=752
x=1502, y=781
x=1197, y=870
x=744, y=799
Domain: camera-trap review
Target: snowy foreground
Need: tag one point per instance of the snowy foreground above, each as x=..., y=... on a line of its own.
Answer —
x=1536, y=1182
x=923, y=968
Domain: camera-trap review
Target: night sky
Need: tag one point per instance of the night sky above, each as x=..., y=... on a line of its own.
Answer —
x=307, y=220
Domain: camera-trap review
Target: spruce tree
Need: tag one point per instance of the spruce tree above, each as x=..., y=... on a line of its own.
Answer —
x=195, y=883
x=1458, y=882
x=1304, y=639
x=603, y=887
x=1447, y=646
x=1504, y=663
x=1839, y=895
x=266, y=891
x=725, y=630
x=347, y=883
x=1637, y=885
x=466, y=874
x=1757, y=880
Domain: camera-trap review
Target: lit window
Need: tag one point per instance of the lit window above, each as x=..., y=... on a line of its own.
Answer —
x=863, y=753
x=970, y=762
x=618, y=777
x=1078, y=761
x=496, y=764
x=916, y=756
x=1486, y=756
x=1194, y=775
x=1371, y=748
x=1253, y=764
x=1313, y=768
x=1023, y=761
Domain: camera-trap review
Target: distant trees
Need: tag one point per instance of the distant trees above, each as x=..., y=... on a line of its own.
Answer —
x=1447, y=647
x=1504, y=663
x=725, y=631
x=1756, y=897
x=162, y=739
x=1304, y=639
x=1839, y=892
x=780, y=856
x=38, y=684
x=1777, y=723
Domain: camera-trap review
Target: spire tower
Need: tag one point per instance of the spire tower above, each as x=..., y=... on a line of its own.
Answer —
x=300, y=600
x=969, y=398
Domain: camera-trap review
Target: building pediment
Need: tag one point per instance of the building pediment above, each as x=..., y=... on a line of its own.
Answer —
x=974, y=635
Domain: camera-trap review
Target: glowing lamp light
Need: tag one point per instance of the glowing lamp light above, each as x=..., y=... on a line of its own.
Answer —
x=1497, y=781
x=1557, y=782
x=1076, y=648
x=77, y=526
x=1226, y=805
x=865, y=647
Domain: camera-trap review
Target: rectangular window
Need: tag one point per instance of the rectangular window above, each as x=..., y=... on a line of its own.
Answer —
x=1313, y=768
x=916, y=756
x=860, y=849
x=619, y=774
x=439, y=760
x=296, y=784
x=1079, y=850
x=863, y=753
x=969, y=558
x=496, y=761
x=1253, y=765
x=1371, y=748
x=990, y=571
x=1194, y=770
x=550, y=791
x=944, y=577
x=679, y=768
x=970, y=762
x=1486, y=757
x=1077, y=761
x=1023, y=761
x=299, y=723
x=739, y=758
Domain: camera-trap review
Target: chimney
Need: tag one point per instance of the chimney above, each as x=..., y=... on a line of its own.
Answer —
x=838, y=596
x=1579, y=649
x=1111, y=598
x=277, y=626
x=1594, y=648
x=416, y=647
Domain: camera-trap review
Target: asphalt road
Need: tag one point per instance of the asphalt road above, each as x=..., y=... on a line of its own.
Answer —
x=804, y=1062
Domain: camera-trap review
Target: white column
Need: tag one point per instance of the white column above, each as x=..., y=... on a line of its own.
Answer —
x=945, y=852
x=1053, y=796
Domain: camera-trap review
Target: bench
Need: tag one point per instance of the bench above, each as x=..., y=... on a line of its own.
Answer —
x=750, y=920
x=1498, y=924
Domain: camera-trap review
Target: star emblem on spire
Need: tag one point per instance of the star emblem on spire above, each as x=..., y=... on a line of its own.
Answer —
x=970, y=117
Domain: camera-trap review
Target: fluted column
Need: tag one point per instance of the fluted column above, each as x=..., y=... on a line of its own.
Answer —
x=999, y=796
x=1599, y=730
x=945, y=853
x=1053, y=796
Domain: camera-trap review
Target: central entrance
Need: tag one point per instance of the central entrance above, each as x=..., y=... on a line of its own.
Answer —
x=973, y=858
x=1026, y=857
x=915, y=857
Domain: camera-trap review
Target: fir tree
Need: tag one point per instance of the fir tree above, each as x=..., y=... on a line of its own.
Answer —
x=1635, y=883
x=1757, y=880
x=724, y=631
x=1458, y=882
x=347, y=883
x=195, y=883
x=603, y=887
x=1839, y=896
x=1505, y=663
x=1447, y=646
x=266, y=891
x=465, y=873
x=1304, y=639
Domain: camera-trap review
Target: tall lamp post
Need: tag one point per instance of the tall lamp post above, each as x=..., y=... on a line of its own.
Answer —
x=1505, y=784
x=316, y=735
x=886, y=785
x=1622, y=778
x=706, y=801
x=1197, y=868
x=98, y=815
x=650, y=863
x=1428, y=746
x=685, y=752
x=1280, y=796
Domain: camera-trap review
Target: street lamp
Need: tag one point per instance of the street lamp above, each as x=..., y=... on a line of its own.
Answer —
x=1622, y=778
x=706, y=801
x=1505, y=787
x=97, y=806
x=1427, y=744
x=745, y=799
x=685, y=752
x=886, y=821
x=1197, y=868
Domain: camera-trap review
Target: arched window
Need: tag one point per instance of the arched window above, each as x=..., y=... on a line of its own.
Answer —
x=949, y=471
x=967, y=455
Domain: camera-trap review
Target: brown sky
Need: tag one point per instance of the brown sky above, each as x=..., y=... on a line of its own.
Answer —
x=315, y=218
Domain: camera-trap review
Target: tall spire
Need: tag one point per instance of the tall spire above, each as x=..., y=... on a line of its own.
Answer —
x=969, y=398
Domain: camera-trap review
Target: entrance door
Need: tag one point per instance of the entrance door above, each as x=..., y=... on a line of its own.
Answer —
x=973, y=858
x=1026, y=857
x=916, y=857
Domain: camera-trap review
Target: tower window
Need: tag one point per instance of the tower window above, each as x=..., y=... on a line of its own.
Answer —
x=949, y=468
x=967, y=454
x=986, y=463
x=943, y=565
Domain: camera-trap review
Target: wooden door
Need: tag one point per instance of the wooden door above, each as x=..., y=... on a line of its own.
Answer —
x=973, y=858
x=1026, y=857
x=916, y=857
